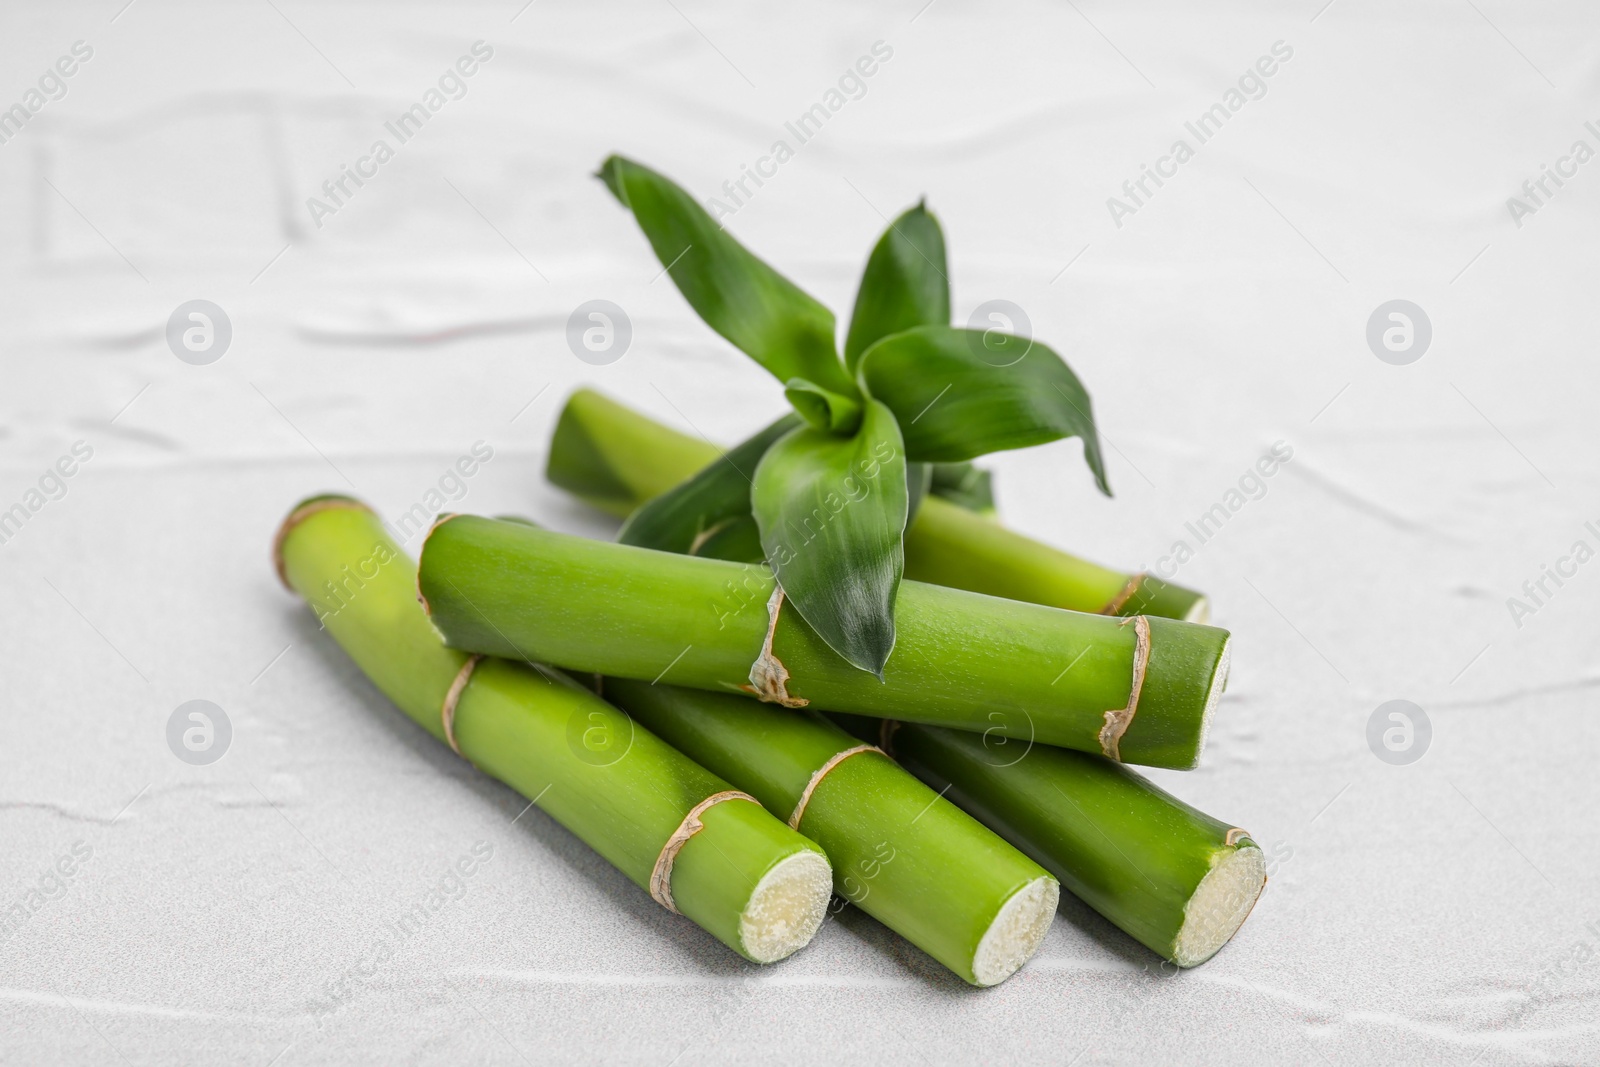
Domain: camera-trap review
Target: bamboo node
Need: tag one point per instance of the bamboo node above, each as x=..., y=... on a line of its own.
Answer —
x=661, y=874
x=1118, y=720
x=769, y=678
x=438, y=521
x=822, y=772
x=1125, y=594
x=707, y=534
x=447, y=712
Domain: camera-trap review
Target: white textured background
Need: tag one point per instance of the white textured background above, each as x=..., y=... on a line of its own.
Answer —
x=1430, y=913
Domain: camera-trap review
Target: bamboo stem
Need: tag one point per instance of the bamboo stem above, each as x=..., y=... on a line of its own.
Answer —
x=1175, y=879
x=617, y=459
x=900, y=852
x=1139, y=690
x=746, y=878
x=949, y=545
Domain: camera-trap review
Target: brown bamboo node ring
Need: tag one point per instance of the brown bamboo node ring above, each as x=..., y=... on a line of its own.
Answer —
x=661, y=874
x=447, y=711
x=822, y=772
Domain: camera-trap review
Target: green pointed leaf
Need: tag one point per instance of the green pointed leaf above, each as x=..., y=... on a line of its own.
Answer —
x=906, y=283
x=965, y=486
x=703, y=515
x=737, y=540
x=758, y=310
x=959, y=394
x=832, y=511
x=822, y=408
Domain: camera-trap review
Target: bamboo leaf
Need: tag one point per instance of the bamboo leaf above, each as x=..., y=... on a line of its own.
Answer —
x=906, y=283
x=737, y=540
x=959, y=394
x=709, y=514
x=965, y=486
x=832, y=511
x=758, y=310
x=822, y=408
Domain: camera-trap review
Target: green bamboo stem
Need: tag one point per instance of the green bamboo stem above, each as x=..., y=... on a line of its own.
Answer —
x=746, y=878
x=949, y=545
x=1139, y=690
x=909, y=858
x=1175, y=879
x=616, y=459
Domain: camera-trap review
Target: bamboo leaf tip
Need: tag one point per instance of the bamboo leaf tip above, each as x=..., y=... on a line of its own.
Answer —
x=610, y=174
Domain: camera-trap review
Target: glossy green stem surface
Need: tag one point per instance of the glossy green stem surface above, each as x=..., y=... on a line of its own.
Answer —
x=961, y=659
x=950, y=545
x=907, y=857
x=1131, y=851
x=618, y=459
x=614, y=458
x=614, y=784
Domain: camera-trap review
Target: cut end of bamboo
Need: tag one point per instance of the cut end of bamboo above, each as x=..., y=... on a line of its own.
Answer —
x=1016, y=932
x=298, y=514
x=1146, y=594
x=1219, y=682
x=438, y=521
x=1220, y=905
x=787, y=907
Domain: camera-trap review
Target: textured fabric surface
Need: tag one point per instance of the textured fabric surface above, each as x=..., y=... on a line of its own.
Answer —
x=1441, y=911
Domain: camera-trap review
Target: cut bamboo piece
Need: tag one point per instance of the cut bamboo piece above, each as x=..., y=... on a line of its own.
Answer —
x=617, y=459
x=949, y=545
x=742, y=875
x=1138, y=690
x=1172, y=877
x=900, y=852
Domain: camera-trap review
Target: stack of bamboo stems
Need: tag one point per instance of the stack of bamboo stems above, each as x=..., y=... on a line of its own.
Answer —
x=950, y=801
x=924, y=713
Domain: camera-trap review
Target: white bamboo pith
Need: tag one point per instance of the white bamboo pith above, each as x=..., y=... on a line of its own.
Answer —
x=787, y=907
x=1016, y=932
x=1219, y=682
x=1220, y=904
